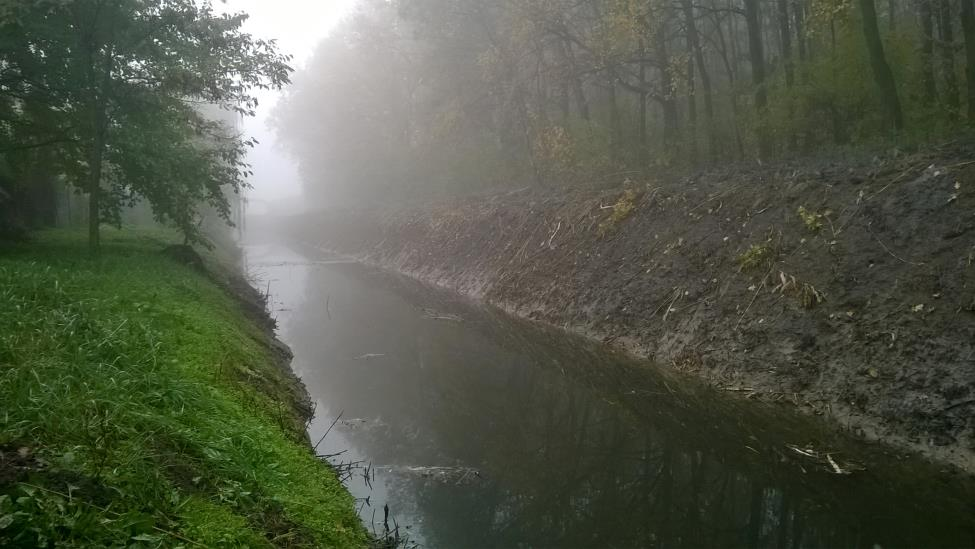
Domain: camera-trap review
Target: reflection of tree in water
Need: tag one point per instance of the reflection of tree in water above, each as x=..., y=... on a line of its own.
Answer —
x=578, y=448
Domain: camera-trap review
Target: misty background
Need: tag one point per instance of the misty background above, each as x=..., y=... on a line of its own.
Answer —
x=298, y=26
x=405, y=101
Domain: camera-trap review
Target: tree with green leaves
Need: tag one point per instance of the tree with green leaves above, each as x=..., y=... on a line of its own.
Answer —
x=124, y=80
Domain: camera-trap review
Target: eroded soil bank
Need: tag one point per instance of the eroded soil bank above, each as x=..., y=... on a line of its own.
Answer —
x=846, y=290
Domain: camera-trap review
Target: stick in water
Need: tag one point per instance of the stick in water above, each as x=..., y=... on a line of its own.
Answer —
x=329, y=429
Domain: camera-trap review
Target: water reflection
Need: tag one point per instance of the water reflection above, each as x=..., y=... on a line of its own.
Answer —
x=573, y=446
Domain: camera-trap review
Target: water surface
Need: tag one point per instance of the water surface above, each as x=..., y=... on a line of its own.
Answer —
x=488, y=431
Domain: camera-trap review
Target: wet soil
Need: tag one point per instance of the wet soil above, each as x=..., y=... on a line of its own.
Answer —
x=844, y=289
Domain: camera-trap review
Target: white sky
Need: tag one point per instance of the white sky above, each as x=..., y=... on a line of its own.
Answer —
x=298, y=25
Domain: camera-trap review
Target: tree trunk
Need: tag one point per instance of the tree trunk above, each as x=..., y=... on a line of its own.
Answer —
x=756, y=56
x=892, y=15
x=948, y=56
x=95, y=154
x=837, y=121
x=614, y=124
x=883, y=76
x=799, y=18
x=691, y=111
x=667, y=103
x=799, y=13
x=786, y=45
x=734, y=35
x=968, y=29
x=642, y=122
x=520, y=98
x=732, y=79
x=565, y=76
x=580, y=95
x=540, y=95
x=564, y=103
x=695, y=44
x=98, y=81
x=927, y=52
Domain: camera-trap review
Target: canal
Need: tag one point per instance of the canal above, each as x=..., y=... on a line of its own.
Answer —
x=481, y=430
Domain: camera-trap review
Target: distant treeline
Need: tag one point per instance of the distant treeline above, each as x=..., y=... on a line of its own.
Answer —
x=128, y=102
x=413, y=96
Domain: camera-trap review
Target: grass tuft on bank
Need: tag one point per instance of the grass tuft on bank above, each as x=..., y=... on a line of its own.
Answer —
x=142, y=407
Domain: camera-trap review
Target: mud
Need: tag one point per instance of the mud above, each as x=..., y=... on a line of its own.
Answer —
x=844, y=289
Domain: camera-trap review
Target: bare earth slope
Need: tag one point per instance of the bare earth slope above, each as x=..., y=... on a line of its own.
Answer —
x=845, y=290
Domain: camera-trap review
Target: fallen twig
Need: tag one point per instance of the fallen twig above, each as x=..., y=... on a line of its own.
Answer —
x=896, y=179
x=892, y=254
x=836, y=468
x=802, y=452
x=553, y=235
x=960, y=164
x=329, y=429
x=670, y=307
x=754, y=296
x=960, y=404
x=715, y=197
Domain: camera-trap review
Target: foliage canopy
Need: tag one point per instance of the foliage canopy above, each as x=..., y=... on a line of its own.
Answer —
x=417, y=97
x=126, y=97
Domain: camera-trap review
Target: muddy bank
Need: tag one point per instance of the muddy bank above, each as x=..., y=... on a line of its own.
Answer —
x=845, y=290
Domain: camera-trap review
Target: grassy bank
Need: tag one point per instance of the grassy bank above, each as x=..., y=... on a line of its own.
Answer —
x=141, y=406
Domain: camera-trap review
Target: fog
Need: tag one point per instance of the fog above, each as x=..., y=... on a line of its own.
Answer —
x=715, y=218
x=298, y=26
x=417, y=100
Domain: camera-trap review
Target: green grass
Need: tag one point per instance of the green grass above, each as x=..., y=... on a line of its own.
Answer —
x=140, y=407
